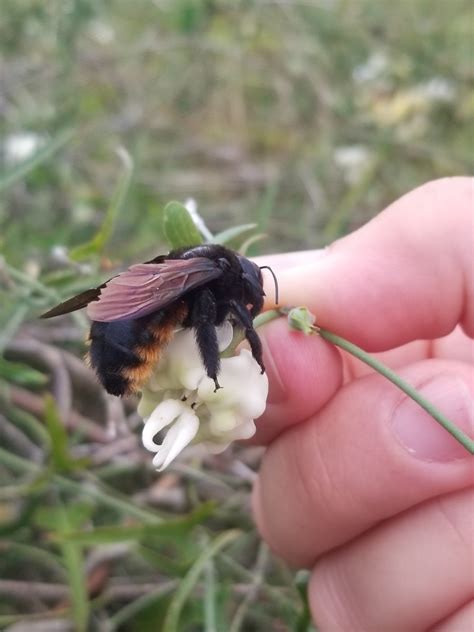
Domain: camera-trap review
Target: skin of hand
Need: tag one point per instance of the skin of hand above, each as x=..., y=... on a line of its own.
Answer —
x=358, y=483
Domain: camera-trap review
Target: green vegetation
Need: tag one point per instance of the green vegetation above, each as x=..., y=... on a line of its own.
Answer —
x=301, y=119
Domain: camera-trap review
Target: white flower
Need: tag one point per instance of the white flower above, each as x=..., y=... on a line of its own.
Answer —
x=353, y=160
x=181, y=397
x=372, y=69
x=437, y=89
x=19, y=147
x=183, y=430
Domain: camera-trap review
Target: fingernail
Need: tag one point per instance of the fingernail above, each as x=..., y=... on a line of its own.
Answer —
x=421, y=435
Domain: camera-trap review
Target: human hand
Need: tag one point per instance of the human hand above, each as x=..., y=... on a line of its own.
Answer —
x=358, y=483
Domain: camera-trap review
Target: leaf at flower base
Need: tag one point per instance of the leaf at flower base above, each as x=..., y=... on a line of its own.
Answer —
x=179, y=228
x=231, y=235
x=301, y=319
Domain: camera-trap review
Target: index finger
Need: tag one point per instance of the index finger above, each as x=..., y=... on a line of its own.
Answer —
x=405, y=275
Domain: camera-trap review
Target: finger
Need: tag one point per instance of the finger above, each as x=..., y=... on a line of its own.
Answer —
x=460, y=621
x=405, y=275
x=303, y=372
x=455, y=346
x=369, y=454
x=423, y=559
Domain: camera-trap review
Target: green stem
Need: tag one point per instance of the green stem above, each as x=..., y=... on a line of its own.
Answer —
x=362, y=355
x=359, y=353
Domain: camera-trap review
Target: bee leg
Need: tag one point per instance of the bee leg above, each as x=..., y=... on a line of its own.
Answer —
x=203, y=318
x=245, y=319
x=257, y=307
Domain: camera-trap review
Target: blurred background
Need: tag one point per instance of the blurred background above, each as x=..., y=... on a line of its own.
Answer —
x=302, y=118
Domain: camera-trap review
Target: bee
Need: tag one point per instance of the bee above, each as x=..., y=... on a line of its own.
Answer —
x=135, y=314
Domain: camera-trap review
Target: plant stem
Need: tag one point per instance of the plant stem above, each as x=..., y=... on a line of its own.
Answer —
x=359, y=353
x=362, y=355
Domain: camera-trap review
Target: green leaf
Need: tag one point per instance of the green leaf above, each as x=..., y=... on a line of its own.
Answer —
x=20, y=373
x=231, y=235
x=8, y=178
x=179, y=228
x=9, y=328
x=192, y=576
x=48, y=518
x=61, y=519
x=73, y=561
x=15, y=516
x=147, y=612
x=97, y=244
x=169, y=528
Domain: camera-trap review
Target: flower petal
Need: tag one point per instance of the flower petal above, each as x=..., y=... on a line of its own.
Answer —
x=244, y=430
x=181, y=433
x=225, y=333
x=244, y=387
x=162, y=416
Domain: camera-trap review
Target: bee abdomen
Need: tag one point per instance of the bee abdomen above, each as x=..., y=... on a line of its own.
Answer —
x=123, y=353
x=111, y=349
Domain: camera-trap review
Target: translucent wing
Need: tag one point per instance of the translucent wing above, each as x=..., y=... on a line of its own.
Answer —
x=76, y=302
x=148, y=287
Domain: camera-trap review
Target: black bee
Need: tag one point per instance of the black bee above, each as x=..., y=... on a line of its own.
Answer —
x=134, y=315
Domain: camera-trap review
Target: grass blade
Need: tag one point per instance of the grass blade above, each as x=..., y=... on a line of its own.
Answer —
x=96, y=245
x=15, y=174
x=72, y=556
x=190, y=579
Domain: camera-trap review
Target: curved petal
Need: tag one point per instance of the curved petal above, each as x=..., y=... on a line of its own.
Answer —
x=181, y=433
x=162, y=416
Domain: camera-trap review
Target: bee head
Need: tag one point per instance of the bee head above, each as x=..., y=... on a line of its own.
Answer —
x=252, y=278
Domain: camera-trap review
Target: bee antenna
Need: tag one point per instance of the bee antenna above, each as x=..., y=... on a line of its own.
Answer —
x=274, y=279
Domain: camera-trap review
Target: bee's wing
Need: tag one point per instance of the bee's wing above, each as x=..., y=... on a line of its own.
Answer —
x=148, y=287
x=76, y=302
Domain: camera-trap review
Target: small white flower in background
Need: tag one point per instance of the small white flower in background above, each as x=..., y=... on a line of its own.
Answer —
x=372, y=69
x=102, y=32
x=180, y=397
x=353, y=160
x=437, y=89
x=20, y=146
